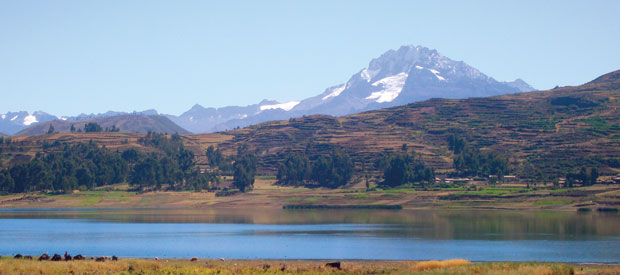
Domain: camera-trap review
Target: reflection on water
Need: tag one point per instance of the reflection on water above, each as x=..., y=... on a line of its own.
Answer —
x=314, y=234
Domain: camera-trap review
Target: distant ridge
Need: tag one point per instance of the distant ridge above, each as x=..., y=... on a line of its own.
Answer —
x=137, y=123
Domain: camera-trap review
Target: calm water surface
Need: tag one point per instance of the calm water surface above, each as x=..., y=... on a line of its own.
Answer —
x=315, y=234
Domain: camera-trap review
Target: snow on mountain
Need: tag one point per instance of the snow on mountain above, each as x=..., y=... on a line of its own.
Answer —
x=30, y=119
x=13, y=122
x=392, y=86
x=397, y=77
x=335, y=91
x=284, y=106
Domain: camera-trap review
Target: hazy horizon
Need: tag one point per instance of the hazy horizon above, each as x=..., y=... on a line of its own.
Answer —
x=72, y=57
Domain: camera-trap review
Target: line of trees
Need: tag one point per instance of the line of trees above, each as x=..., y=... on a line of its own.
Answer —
x=79, y=166
x=86, y=166
x=242, y=166
x=470, y=161
x=586, y=176
x=91, y=127
x=331, y=171
x=174, y=168
x=400, y=168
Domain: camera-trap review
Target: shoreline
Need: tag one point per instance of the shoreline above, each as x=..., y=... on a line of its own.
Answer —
x=267, y=195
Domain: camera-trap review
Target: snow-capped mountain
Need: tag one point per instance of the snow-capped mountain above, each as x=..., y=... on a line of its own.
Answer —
x=13, y=122
x=397, y=77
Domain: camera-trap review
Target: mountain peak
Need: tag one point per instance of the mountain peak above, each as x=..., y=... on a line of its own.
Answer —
x=196, y=108
x=521, y=85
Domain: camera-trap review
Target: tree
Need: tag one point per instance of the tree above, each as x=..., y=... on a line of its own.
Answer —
x=72, y=129
x=593, y=175
x=84, y=178
x=50, y=130
x=144, y=173
x=92, y=127
x=244, y=171
x=334, y=170
x=131, y=155
x=295, y=170
x=530, y=173
x=400, y=168
x=185, y=159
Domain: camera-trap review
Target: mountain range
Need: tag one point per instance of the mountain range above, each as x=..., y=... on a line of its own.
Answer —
x=557, y=130
x=397, y=77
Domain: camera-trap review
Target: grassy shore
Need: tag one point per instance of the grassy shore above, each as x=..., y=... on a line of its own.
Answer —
x=268, y=195
x=203, y=266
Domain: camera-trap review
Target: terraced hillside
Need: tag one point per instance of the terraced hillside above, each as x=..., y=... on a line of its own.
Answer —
x=556, y=130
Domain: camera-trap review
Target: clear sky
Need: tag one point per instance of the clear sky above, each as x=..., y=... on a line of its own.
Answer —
x=71, y=57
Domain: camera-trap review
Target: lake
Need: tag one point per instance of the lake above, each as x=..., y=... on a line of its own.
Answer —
x=315, y=234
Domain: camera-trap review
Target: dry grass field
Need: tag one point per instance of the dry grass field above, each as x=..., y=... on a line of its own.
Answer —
x=206, y=266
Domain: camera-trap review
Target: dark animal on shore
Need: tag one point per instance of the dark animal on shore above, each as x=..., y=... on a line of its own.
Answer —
x=28, y=257
x=79, y=257
x=67, y=257
x=92, y=258
x=333, y=265
x=56, y=258
x=44, y=257
x=100, y=259
x=114, y=258
x=194, y=259
x=18, y=256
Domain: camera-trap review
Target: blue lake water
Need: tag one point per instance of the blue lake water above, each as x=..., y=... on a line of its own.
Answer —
x=315, y=234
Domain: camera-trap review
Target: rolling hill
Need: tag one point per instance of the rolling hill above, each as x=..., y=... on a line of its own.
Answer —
x=129, y=123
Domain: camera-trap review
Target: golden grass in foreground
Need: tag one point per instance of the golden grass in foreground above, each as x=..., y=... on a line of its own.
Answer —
x=426, y=265
x=146, y=266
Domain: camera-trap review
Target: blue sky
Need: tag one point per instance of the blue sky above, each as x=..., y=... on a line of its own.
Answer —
x=71, y=57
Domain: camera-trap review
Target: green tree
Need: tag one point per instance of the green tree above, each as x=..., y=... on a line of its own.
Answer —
x=50, y=130
x=593, y=175
x=295, y=170
x=244, y=171
x=92, y=127
x=334, y=170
